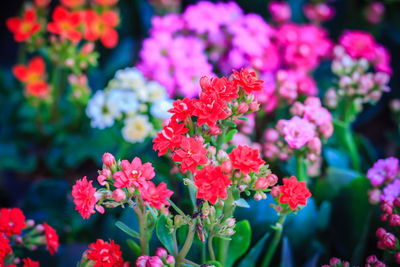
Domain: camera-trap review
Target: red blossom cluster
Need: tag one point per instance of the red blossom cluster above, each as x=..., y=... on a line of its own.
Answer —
x=16, y=233
x=123, y=182
x=104, y=254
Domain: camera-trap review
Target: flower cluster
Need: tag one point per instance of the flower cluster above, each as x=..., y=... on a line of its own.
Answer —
x=140, y=104
x=103, y=254
x=123, y=183
x=310, y=124
x=17, y=233
x=318, y=12
x=161, y=259
x=374, y=12
x=72, y=23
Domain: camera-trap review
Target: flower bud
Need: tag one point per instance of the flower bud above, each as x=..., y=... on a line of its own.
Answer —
x=271, y=135
x=69, y=62
x=258, y=197
x=280, y=11
x=106, y=172
x=87, y=48
x=170, y=259
x=242, y=108
x=380, y=232
x=161, y=253
x=226, y=166
x=395, y=105
x=314, y=145
x=108, y=159
x=199, y=138
x=394, y=220
x=272, y=179
x=102, y=180
x=100, y=209
x=397, y=257
x=242, y=187
x=212, y=150
x=372, y=259
x=40, y=228
x=326, y=130
x=215, y=130
x=275, y=192
x=254, y=106
x=30, y=223
x=374, y=12
x=334, y=261
x=374, y=196
x=222, y=155
x=18, y=240
x=261, y=183
x=396, y=202
x=389, y=241
x=297, y=109
x=118, y=195
x=387, y=207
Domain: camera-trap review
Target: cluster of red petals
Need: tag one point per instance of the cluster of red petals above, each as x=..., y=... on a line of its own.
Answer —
x=210, y=108
x=72, y=3
x=190, y=154
x=225, y=89
x=293, y=192
x=247, y=80
x=66, y=24
x=133, y=173
x=30, y=263
x=107, y=3
x=105, y=254
x=5, y=248
x=83, y=193
x=246, y=159
x=23, y=28
x=12, y=221
x=211, y=183
x=33, y=76
x=51, y=238
x=181, y=109
x=155, y=196
x=101, y=26
x=170, y=137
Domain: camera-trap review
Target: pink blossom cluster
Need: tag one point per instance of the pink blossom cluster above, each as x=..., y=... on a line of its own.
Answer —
x=374, y=12
x=122, y=182
x=160, y=259
x=318, y=12
x=310, y=123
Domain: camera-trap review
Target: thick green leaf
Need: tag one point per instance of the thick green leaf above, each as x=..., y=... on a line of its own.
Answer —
x=230, y=134
x=134, y=247
x=164, y=235
x=324, y=215
x=126, y=229
x=251, y=258
x=240, y=242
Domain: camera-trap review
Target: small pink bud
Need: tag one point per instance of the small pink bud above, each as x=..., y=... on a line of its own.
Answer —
x=387, y=207
x=261, y=183
x=118, y=195
x=374, y=196
x=108, y=160
x=394, y=220
x=257, y=197
x=170, y=259
x=40, y=228
x=278, y=208
x=30, y=223
x=69, y=62
x=212, y=150
x=17, y=261
x=389, y=241
x=222, y=155
x=100, y=209
x=242, y=108
x=334, y=261
x=215, y=130
x=198, y=138
x=372, y=259
x=314, y=145
x=254, y=106
x=18, y=240
x=272, y=179
x=271, y=135
x=230, y=222
x=226, y=166
x=161, y=253
x=230, y=231
x=280, y=125
x=280, y=11
x=106, y=172
x=326, y=130
x=297, y=109
x=384, y=217
x=275, y=192
x=242, y=187
x=102, y=180
x=33, y=247
x=397, y=257
x=87, y=48
x=246, y=179
x=396, y=202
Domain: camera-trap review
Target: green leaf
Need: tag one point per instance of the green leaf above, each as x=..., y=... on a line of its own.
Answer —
x=231, y=124
x=243, y=118
x=164, y=234
x=213, y=263
x=134, y=247
x=126, y=229
x=251, y=258
x=240, y=242
x=324, y=215
x=230, y=134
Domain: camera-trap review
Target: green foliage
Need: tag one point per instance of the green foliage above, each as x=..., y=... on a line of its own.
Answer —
x=240, y=242
x=251, y=258
x=164, y=234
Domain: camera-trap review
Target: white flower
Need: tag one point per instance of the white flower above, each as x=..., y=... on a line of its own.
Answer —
x=156, y=92
x=125, y=100
x=160, y=109
x=130, y=78
x=101, y=113
x=137, y=128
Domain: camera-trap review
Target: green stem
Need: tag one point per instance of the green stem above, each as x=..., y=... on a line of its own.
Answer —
x=301, y=166
x=143, y=235
x=224, y=244
x=352, y=148
x=186, y=247
x=210, y=247
x=275, y=242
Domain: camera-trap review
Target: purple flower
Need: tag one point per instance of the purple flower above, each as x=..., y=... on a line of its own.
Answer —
x=298, y=132
x=391, y=191
x=383, y=170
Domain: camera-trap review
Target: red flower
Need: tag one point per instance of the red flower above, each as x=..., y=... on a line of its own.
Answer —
x=66, y=24
x=41, y=3
x=23, y=28
x=191, y=154
x=30, y=263
x=246, y=159
x=72, y=3
x=84, y=198
x=133, y=174
x=12, y=221
x=155, y=196
x=5, y=248
x=210, y=108
x=181, y=109
x=226, y=90
x=170, y=137
x=51, y=238
x=101, y=27
x=247, y=80
x=211, y=183
x=33, y=76
x=105, y=254
x=293, y=192
x=107, y=3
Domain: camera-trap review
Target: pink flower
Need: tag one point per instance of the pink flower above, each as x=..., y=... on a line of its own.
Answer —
x=383, y=170
x=374, y=12
x=298, y=132
x=280, y=11
x=358, y=44
x=147, y=261
x=317, y=115
x=83, y=193
x=155, y=196
x=133, y=174
x=319, y=12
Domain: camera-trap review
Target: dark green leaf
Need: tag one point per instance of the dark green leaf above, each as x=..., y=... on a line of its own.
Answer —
x=240, y=242
x=164, y=234
x=134, y=247
x=230, y=134
x=324, y=215
x=251, y=258
x=213, y=263
x=126, y=229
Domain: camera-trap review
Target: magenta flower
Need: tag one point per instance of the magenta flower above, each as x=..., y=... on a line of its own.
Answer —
x=383, y=170
x=297, y=132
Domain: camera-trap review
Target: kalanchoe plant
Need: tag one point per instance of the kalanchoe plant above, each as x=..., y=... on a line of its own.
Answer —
x=18, y=234
x=218, y=178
